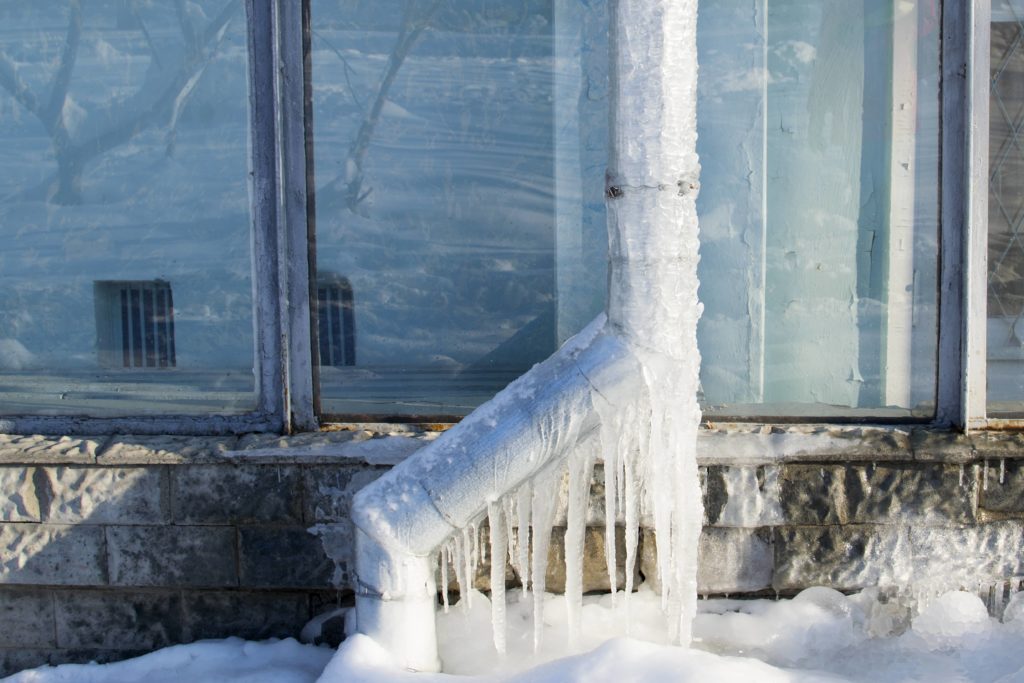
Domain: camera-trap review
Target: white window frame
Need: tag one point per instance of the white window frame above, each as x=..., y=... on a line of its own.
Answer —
x=285, y=364
x=960, y=399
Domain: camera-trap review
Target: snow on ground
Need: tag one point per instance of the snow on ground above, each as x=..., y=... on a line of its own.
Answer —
x=226, y=661
x=820, y=635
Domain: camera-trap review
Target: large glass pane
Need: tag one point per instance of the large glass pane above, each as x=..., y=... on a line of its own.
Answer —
x=125, y=276
x=460, y=155
x=1006, y=212
x=818, y=123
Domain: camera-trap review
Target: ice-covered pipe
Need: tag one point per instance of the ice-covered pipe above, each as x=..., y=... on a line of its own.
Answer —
x=647, y=342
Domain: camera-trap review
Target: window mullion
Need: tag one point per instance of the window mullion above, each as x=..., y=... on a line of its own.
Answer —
x=961, y=358
x=264, y=190
x=294, y=237
x=976, y=237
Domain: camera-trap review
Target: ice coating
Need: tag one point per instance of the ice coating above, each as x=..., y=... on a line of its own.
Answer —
x=753, y=496
x=653, y=248
x=951, y=616
x=630, y=378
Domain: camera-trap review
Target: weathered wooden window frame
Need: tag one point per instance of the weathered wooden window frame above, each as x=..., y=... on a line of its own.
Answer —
x=283, y=241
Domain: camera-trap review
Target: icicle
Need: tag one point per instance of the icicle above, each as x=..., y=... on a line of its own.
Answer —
x=984, y=477
x=480, y=543
x=611, y=432
x=496, y=523
x=580, y=473
x=474, y=532
x=631, y=503
x=460, y=576
x=625, y=442
x=510, y=533
x=467, y=559
x=524, y=507
x=444, y=577
x=1002, y=471
x=961, y=475
x=545, y=490
x=672, y=472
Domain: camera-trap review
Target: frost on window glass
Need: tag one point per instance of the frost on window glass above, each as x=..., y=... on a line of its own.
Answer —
x=1005, y=361
x=125, y=272
x=459, y=165
x=819, y=137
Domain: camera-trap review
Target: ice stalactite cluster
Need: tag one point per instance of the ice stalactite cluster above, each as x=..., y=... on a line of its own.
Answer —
x=649, y=472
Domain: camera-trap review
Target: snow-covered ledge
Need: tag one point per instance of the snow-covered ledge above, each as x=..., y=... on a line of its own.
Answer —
x=631, y=375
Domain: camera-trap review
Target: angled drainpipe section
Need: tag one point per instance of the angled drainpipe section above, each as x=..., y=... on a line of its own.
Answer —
x=406, y=515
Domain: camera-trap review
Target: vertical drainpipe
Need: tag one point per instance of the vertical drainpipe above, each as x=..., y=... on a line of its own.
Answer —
x=653, y=176
x=653, y=181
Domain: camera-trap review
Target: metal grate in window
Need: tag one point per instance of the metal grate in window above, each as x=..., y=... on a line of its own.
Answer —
x=134, y=323
x=336, y=321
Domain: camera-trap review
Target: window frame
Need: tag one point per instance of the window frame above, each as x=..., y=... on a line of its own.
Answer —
x=283, y=242
x=963, y=243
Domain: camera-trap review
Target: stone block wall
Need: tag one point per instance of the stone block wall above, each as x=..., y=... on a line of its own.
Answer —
x=114, y=546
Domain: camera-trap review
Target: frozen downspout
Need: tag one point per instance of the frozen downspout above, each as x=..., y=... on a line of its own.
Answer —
x=645, y=346
x=653, y=248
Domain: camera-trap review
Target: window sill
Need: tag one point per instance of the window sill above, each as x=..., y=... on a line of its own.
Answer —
x=387, y=444
x=365, y=444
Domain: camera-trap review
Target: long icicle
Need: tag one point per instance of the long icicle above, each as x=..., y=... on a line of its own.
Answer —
x=467, y=559
x=545, y=490
x=508, y=510
x=581, y=467
x=611, y=429
x=444, y=576
x=631, y=504
x=461, y=580
x=524, y=510
x=499, y=544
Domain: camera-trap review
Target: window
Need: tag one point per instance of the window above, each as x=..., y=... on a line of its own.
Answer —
x=388, y=210
x=819, y=137
x=123, y=167
x=456, y=188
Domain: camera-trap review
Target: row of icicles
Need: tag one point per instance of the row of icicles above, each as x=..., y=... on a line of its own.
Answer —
x=636, y=444
x=497, y=537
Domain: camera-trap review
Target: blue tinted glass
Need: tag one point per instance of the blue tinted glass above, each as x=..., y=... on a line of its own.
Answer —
x=819, y=139
x=460, y=151
x=1005, y=362
x=125, y=276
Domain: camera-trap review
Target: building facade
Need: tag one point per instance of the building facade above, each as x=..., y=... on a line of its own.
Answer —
x=351, y=223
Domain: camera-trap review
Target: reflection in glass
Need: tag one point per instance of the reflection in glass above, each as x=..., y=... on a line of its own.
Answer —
x=818, y=137
x=1006, y=212
x=459, y=162
x=125, y=276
